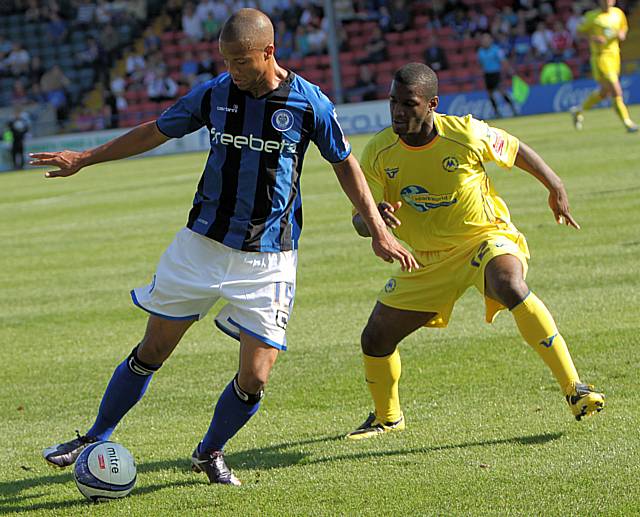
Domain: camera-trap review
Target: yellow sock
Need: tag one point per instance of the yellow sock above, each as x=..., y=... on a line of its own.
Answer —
x=382, y=376
x=621, y=110
x=539, y=330
x=592, y=100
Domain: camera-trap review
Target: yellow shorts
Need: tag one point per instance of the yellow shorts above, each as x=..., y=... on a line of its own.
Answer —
x=445, y=275
x=605, y=68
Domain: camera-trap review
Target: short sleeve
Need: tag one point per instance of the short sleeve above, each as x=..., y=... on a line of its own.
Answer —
x=328, y=134
x=586, y=23
x=496, y=145
x=623, y=21
x=186, y=115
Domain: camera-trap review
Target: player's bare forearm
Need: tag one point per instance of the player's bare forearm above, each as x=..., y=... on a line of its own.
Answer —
x=140, y=139
x=383, y=243
x=527, y=159
x=355, y=187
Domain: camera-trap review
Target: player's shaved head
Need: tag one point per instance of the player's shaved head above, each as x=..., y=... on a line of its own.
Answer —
x=418, y=75
x=250, y=28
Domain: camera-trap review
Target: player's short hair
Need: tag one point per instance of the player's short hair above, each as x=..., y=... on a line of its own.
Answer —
x=418, y=74
x=250, y=27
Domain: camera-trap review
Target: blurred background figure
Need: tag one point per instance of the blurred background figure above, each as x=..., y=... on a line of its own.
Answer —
x=492, y=61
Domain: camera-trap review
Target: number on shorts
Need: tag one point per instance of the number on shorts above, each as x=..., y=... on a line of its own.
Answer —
x=482, y=251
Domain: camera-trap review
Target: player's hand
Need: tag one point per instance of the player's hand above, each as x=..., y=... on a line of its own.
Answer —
x=67, y=163
x=559, y=204
x=389, y=249
x=599, y=39
x=387, y=213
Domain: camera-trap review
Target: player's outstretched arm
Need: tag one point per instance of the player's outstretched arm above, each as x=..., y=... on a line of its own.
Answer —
x=383, y=243
x=140, y=139
x=527, y=159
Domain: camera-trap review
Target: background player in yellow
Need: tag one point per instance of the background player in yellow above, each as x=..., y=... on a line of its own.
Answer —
x=605, y=27
x=426, y=172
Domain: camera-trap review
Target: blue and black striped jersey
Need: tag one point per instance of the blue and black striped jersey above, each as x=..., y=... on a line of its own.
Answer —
x=248, y=197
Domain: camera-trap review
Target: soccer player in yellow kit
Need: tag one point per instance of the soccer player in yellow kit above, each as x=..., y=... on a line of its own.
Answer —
x=605, y=28
x=427, y=174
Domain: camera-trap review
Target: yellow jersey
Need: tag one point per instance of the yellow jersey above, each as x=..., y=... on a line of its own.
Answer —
x=447, y=198
x=607, y=24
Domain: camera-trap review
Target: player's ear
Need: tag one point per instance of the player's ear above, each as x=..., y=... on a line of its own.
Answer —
x=433, y=102
x=269, y=51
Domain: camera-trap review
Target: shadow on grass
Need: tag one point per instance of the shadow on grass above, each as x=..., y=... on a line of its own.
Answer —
x=265, y=458
x=276, y=456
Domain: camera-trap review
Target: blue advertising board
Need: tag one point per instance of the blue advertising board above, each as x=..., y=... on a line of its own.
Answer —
x=541, y=99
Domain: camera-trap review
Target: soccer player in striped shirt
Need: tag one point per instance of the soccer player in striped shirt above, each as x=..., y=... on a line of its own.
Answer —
x=242, y=233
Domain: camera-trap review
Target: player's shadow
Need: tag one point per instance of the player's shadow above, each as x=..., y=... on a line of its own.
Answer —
x=12, y=498
x=279, y=455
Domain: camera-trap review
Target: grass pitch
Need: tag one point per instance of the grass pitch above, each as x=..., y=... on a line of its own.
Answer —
x=488, y=430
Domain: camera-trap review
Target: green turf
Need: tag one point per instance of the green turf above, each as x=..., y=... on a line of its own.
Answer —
x=488, y=431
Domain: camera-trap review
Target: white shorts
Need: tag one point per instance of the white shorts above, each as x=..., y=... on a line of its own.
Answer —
x=195, y=271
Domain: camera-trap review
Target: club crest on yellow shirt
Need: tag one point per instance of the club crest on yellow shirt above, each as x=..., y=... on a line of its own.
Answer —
x=391, y=172
x=422, y=200
x=450, y=164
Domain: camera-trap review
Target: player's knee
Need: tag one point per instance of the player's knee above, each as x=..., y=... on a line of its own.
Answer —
x=374, y=342
x=510, y=288
x=251, y=382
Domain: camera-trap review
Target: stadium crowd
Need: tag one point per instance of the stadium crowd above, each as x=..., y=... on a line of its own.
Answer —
x=144, y=53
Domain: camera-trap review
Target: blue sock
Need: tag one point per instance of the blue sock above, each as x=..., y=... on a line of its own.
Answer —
x=233, y=410
x=126, y=387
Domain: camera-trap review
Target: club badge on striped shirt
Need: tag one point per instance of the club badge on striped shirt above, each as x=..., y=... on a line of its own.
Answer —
x=282, y=120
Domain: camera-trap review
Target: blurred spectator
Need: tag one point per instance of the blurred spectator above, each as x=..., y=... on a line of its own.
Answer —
x=5, y=47
x=19, y=94
x=492, y=60
x=35, y=12
x=434, y=55
x=118, y=85
x=376, y=48
x=206, y=67
x=151, y=40
x=317, y=39
x=136, y=67
x=541, y=41
x=366, y=88
x=574, y=20
x=284, y=41
x=188, y=69
x=561, y=41
x=302, y=47
x=85, y=12
x=54, y=86
x=57, y=29
x=521, y=48
x=478, y=21
x=555, y=71
x=18, y=60
x=161, y=87
x=19, y=127
x=344, y=10
x=114, y=104
x=34, y=74
x=84, y=120
x=400, y=17
x=102, y=13
x=110, y=42
x=173, y=9
x=291, y=15
x=191, y=23
x=218, y=10
x=210, y=27
x=92, y=56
